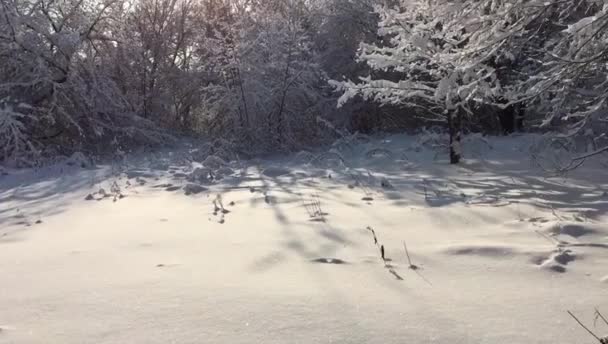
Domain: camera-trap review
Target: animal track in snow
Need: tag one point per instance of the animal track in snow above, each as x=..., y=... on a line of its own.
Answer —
x=557, y=261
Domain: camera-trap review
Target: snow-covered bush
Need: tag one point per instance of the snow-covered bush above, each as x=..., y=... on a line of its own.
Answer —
x=329, y=159
x=16, y=144
x=80, y=160
x=303, y=157
x=554, y=154
x=379, y=153
x=214, y=162
x=201, y=175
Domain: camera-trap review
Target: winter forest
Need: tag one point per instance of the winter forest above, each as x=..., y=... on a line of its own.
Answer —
x=96, y=76
x=306, y=171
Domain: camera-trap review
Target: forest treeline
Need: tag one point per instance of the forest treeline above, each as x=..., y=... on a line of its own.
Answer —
x=274, y=75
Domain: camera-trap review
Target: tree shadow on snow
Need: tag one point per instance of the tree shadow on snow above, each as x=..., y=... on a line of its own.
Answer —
x=28, y=196
x=503, y=187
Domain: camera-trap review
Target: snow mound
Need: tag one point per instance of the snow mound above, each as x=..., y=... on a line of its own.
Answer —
x=487, y=200
x=159, y=165
x=138, y=173
x=430, y=140
x=225, y=154
x=477, y=145
x=386, y=184
x=201, y=175
x=359, y=138
x=214, y=162
x=481, y=250
x=223, y=172
x=79, y=159
x=379, y=153
x=328, y=159
x=574, y=230
x=343, y=147
x=551, y=266
x=276, y=171
x=303, y=157
x=193, y=189
x=200, y=154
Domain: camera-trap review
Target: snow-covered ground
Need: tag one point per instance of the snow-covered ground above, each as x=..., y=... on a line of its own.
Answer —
x=282, y=250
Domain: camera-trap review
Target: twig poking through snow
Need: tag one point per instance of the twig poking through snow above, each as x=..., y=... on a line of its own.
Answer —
x=115, y=190
x=555, y=214
x=599, y=315
x=218, y=205
x=385, y=183
x=551, y=239
x=409, y=261
x=313, y=207
x=374, y=234
x=394, y=273
x=600, y=340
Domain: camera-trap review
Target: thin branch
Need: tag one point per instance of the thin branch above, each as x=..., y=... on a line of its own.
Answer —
x=585, y=327
x=599, y=315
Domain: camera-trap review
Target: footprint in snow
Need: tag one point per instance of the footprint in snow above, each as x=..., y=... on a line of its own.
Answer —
x=557, y=261
x=335, y=261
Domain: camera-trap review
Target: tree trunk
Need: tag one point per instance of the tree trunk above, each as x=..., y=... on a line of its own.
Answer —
x=519, y=117
x=455, y=130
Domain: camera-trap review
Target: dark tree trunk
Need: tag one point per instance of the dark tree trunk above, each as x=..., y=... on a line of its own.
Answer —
x=511, y=118
x=507, y=120
x=455, y=130
x=519, y=117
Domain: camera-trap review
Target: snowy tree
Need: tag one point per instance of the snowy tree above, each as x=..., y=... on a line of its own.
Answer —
x=567, y=82
x=456, y=58
x=341, y=26
x=267, y=80
x=159, y=36
x=16, y=146
x=440, y=56
x=50, y=68
x=96, y=74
